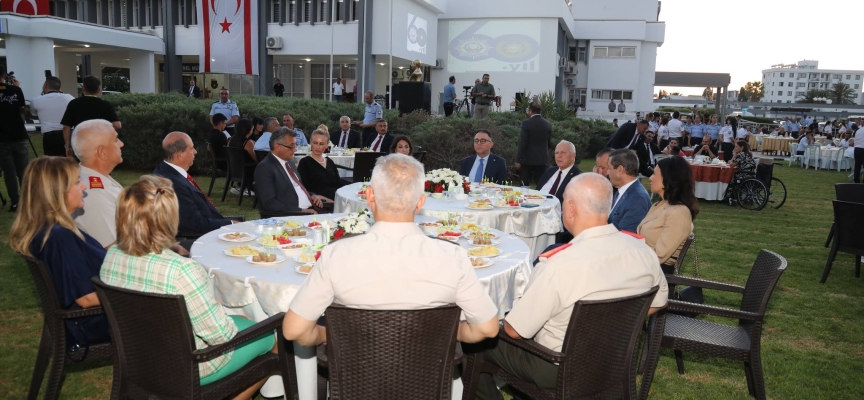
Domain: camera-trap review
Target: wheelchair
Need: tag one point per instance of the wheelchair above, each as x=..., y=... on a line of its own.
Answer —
x=759, y=189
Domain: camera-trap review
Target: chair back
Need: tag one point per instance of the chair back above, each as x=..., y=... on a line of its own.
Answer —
x=236, y=163
x=261, y=154
x=848, y=220
x=45, y=289
x=363, y=164
x=763, y=277
x=851, y=192
x=420, y=155
x=813, y=155
x=218, y=156
x=793, y=148
x=764, y=171
x=682, y=252
x=398, y=354
x=154, y=341
x=599, y=347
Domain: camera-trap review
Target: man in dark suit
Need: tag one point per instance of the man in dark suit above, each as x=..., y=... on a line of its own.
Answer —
x=197, y=213
x=194, y=91
x=630, y=200
x=532, y=153
x=625, y=136
x=382, y=141
x=643, y=151
x=277, y=184
x=556, y=178
x=484, y=165
x=345, y=137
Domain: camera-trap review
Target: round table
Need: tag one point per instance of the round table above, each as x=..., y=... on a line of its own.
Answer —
x=258, y=292
x=712, y=180
x=776, y=144
x=754, y=141
x=346, y=160
x=829, y=156
x=536, y=226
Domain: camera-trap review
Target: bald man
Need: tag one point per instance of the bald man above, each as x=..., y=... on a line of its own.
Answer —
x=197, y=213
x=598, y=264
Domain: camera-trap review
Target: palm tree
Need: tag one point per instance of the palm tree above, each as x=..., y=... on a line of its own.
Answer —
x=841, y=93
x=812, y=94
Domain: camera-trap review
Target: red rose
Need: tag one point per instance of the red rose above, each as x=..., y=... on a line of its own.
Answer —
x=439, y=189
x=338, y=234
x=317, y=255
x=428, y=185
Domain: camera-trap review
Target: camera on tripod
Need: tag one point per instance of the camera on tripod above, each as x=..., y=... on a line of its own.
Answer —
x=467, y=87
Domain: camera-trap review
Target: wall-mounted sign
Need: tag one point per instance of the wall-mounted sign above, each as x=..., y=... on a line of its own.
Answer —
x=188, y=68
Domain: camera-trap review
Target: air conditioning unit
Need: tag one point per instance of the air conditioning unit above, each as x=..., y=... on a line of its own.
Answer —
x=562, y=62
x=274, y=42
x=439, y=64
x=571, y=82
x=570, y=69
x=398, y=73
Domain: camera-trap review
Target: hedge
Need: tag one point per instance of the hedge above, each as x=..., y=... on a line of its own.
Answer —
x=147, y=118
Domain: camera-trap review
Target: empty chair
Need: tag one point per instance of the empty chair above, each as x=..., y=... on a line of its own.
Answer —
x=793, y=148
x=848, y=220
x=851, y=192
x=220, y=163
x=812, y=156
x=420, y=155
x=238, y=171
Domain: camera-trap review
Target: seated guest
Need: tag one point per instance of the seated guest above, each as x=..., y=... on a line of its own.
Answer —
x=288, y=122
x=599, y=263
x=345, y=137
x=197, y=213
x=676, y=151
x=43, y=229
x=278, y=186
x=651, y=144
x=556, y=178
x=242, y=140
x=382, y=141
x=271, y=124
x=218, y=138
x=670, y=221
x=484, y=166
x=743, y=160
x=147, y=215
x=421, y=272
x=318, y=173
x=630, y=201
x=402, y=145
x=257, y=128
x=707, y=148
x=601, y=162
x=806, y=140
x=668, y=149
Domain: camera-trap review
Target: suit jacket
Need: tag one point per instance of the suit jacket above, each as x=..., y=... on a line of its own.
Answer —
x=495, y=168
x=534, y=141
x=550, y=174
x=631, y=208
x=355, y=141
x=274, y=188
x=196, y=92
x=385, y=142
x=622, y=137
x=644, y=156
x=197, y=215
x=665, y=228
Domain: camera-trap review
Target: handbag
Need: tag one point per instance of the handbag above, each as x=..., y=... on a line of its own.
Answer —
x=691, y=294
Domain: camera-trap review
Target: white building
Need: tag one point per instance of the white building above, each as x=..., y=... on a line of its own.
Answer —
x=785, y=83
x=584, y=50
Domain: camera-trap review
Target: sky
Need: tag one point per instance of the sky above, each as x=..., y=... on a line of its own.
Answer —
x=744, y=37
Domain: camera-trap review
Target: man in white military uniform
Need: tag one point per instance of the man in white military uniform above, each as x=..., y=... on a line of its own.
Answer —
x=406, y=270
x=599, y=263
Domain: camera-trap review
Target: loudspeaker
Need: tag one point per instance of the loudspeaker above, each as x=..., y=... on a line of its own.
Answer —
x=519, y=97
x=413, y=96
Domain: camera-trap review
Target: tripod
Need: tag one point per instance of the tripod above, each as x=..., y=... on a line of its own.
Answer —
x=464, y=103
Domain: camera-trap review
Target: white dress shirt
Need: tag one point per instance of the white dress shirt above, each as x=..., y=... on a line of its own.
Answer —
x=675, y=126
x=548, y=186
x=50, y=108
x=476, y=165
x=859, y=138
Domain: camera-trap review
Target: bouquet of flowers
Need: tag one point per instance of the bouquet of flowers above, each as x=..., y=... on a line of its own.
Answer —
x=353, y=224
x=441, y=180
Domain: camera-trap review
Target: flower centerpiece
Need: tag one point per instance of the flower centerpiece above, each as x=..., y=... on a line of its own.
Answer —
x=441, y=180
x=353, y=224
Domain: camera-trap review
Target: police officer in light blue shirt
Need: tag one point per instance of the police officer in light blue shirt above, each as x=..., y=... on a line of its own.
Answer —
x=795, y=127
x=373, y=113
x=288, y=122
x=696, y=130
x=712, y=129
x=227, y=108
x=449, y=96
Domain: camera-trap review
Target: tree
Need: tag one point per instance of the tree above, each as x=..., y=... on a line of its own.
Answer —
x=663, y=94
x=675, y=94
x=742, y=94
x=812, y=94
x=752, y=91
x=708, y=93
x=841, y=93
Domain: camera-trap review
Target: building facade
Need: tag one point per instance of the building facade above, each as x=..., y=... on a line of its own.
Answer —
x=583, y=51
x=786, y=83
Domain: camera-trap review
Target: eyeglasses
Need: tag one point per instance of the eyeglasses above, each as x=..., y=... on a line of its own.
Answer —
x=482, y=141
x=291, y=147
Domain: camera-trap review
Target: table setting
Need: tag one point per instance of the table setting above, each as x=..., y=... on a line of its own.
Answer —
x=712, y=177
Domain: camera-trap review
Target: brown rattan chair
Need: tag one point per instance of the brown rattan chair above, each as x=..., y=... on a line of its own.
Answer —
x=156, y=354
x=238, y=171
x=53, y=342
x=219, y=166
x=598, y=357
x=389, y=354
x=848, y=220
x=740, y=343
x=679, y=262
x=420, y=155
x=851, y=192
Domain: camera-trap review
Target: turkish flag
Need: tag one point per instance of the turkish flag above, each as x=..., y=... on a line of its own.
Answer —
x=27, y=7
x=230, y=32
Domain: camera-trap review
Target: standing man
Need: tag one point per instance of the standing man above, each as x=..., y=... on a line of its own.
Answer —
x=381, y=142
x=338, y=88
x=90, y=106
x=795, y=128
x=642, y=149
x=858, y=152
x=278, y=88
x=627, y=135
x=13, y=136
x=612, y=107
x=473, y=100
x=675, y=127
x=449, y=96
x=288, y=122
x=621, y=107
x=49, y=108
x=345, y=137
x=373, y=113
x=532, y=153
x=484, y=166
x=484, y=93
x=194, y=91
x=227, y=108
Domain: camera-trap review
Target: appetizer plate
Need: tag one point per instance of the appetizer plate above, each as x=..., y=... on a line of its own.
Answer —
x=297, y=259
x=228, y=252
x=300, y=271
x=494, y=242
x=488, y=263
x=498, y=252
x=487, y=207
x=237, y=237
x=279, y=259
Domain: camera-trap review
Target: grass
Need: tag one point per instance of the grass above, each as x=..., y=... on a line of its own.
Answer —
x=812, y=347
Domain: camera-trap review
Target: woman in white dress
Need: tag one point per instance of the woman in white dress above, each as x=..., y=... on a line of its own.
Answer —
x=727, y=136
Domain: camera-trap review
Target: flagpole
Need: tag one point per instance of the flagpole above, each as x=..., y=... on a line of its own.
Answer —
x=389, y=96
x=332, y=22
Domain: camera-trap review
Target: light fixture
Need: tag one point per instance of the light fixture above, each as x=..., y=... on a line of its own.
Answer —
x=381, y=64
x=86, y=45
x=308, y=59
x=55, y=46
x=212, y=59
x=401, y=67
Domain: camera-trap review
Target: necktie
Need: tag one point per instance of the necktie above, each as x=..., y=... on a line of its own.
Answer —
x=633, y=140
x=192, y=181
x=554, y=188
x=344, y=138
x=478, y=176
x=614, y=197
x=294, y=177
x=375, y=147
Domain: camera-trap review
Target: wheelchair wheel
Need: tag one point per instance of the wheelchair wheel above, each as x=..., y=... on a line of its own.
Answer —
x=752, y=194
x=777, y=194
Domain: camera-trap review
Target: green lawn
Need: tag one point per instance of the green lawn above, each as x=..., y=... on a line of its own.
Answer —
x=812, y=346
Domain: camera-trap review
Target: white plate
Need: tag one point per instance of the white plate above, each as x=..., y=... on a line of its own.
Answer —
x=499, y=253
x=455, y=238
x=279, y=259
x=488, y=264
x=491, y=236
x=230, y=254
x=248, y=238
x=479, y=208
x=497, y=206
x=296, y=258
x=495, y=242
x=297, y=270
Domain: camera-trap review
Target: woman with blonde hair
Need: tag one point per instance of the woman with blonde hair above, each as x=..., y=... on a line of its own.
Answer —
x=147, y=218
x=44, y=229
x=319, y=173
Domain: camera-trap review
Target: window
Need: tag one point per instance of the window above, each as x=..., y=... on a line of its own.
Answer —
x=857, y=86
x=601, y=51
x=355, y=10
x=340, y=5
x=788, y=93
x=274, y=11
x=848, y=76
x=772, y=92
x=782, y=75
x=772, y=83
x=838, y=76
x=582, y=56
x=322, y=10
x=611, y=94
x=799, y=94
x=781, y=83
x=306, y=12
x=802, y=75
x=857, y=77
x=801, y=84
x=628, y=52
x=319, y=81
x=789, y=84
x=571, y=55
x=615, y=52
x=824, y=76
x=292, y=6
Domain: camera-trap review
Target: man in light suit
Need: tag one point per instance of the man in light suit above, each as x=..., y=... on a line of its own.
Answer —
x=532, y=153
x=630, y=201
x=345, y=137
x=556, y=178
x=278, y=185
x=484, y=165
x=382, y=141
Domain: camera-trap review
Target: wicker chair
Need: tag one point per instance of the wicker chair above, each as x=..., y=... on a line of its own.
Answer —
x=219, y=163
x=742, y=342
x=392, y=354
x=156, y=354
x=237, y=168
x=53, y=342
x=598, y=357
x=851, y=192
x=848, y=220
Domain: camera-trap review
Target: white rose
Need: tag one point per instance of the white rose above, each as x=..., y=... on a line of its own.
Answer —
x=362, y=226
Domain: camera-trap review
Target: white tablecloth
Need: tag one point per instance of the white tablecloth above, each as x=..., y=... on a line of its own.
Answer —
x=535, y=226
x=713, y=191
x=343, y=160
x=257, y=292
x=828, y=156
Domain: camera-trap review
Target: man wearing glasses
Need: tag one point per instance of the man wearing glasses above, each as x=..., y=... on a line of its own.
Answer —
x=278, y=185
x=484, y=166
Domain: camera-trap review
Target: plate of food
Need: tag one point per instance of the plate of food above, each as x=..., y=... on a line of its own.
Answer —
x=480, y=240
x=265, y=259
x=295, y=247
x=306, y=258
x=480, y=262
x=304, y=269
x=242, y=251
x=534, y=198
x=429, y=228
x=236, y=237
x=447, y=222
x=483, y=204
x=485, y=251
x=294, y=232
x=467, y=226
x=511, y=203
x=448, y=238
x=290, y=223
x=490, y=235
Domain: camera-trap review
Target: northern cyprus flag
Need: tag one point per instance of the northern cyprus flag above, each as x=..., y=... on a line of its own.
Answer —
x=230, y=33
